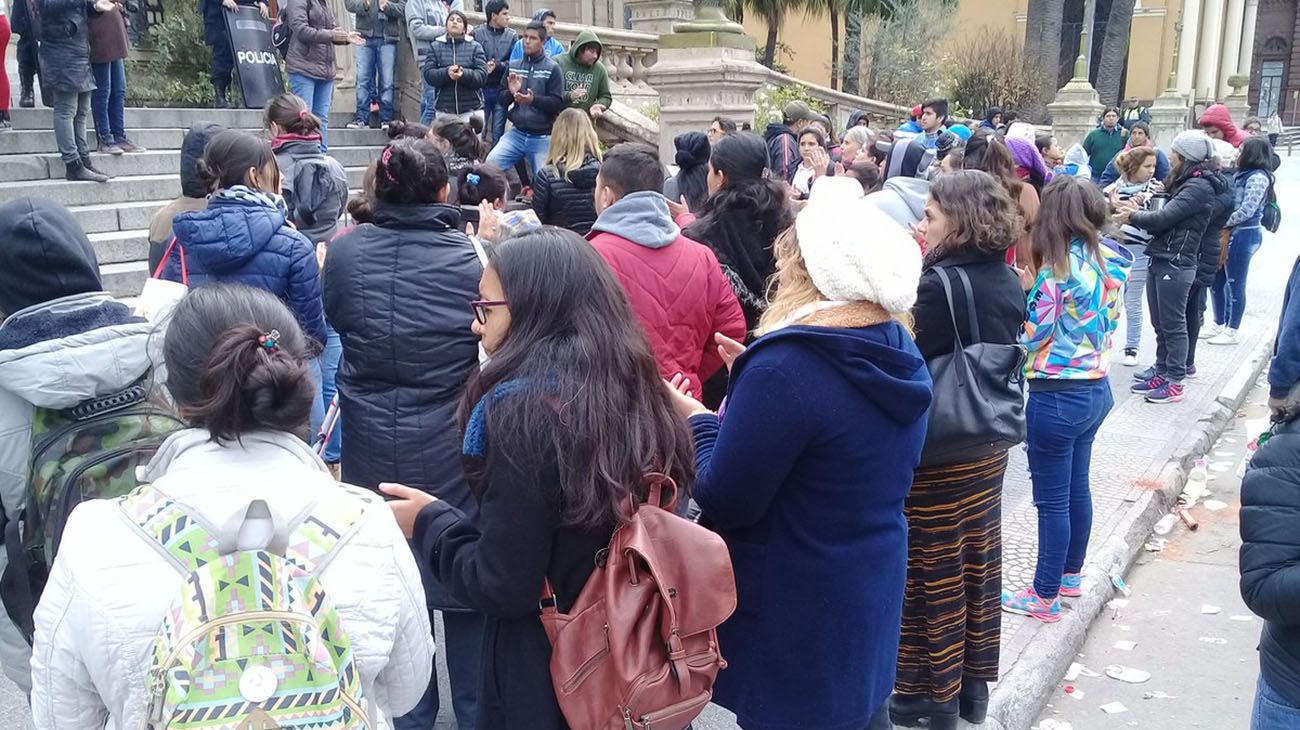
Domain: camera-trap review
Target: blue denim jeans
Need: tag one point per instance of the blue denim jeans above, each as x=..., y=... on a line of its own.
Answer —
x=427, y=101
x=317, y=410
x=318, y=94
x=1137, y=280
x=463, y=636
x=108, y=100
x=1229, y=292
x=516, y=145
x=494, y=121
x=1060, y=427
x=377, y=58
x=1272, y=711
x=329, y=366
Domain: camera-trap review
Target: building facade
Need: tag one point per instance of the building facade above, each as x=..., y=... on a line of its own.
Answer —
x=1275, y=62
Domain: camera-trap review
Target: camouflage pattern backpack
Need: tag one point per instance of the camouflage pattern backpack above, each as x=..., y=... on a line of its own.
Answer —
x=251, y=641
x=88, y=451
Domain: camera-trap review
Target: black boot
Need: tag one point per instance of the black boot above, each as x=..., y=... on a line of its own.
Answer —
x=910, y=711
x=78, y=172
x=974, y=700
x=221, y=90
x=28, y=98
x=86, y=163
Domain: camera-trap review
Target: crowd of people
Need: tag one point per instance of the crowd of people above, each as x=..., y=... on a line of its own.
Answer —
x=505, y=353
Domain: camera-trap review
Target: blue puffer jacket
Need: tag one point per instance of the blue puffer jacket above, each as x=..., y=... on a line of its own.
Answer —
x=249, y=243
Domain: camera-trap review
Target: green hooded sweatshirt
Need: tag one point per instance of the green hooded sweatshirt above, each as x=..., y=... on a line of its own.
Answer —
x=593, y=78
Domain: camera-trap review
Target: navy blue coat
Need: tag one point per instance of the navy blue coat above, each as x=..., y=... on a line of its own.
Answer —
x=804, y=477
x=244, y=242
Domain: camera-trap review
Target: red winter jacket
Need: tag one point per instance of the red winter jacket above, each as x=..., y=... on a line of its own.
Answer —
x=676, y=286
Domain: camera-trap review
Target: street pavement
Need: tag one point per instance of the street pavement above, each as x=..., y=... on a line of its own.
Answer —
x=1191, y=630
x=1132, y=447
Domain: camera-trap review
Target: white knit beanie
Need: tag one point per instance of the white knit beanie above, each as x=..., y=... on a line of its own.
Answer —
x=853, y=251
x=1193, y=145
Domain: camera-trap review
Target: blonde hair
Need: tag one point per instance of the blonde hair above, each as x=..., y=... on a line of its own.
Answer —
x=794, y=287
x=572, y=139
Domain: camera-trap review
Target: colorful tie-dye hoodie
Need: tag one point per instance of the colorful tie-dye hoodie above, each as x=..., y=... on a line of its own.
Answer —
x=1069, y=323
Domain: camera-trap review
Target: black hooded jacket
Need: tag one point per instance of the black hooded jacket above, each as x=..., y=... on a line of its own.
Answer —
x=1179, y=226
x=45, y=255
x=194, y=192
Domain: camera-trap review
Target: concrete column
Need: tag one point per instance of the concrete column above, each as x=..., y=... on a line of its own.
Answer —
x=659, y=16
x=345, y=75
x=700, y=75
x=1191, y=34
x=1231, y=45
x=1246, y=56
x=1207, y=62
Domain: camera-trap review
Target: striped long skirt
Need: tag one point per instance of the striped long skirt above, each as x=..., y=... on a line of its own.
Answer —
x=952, y=619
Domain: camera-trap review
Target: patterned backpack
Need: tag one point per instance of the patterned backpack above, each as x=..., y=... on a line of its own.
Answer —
x=88, y=451
x=251, y=642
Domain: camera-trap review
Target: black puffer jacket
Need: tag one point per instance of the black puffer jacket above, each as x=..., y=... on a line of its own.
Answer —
x=1270, y=551
x=567, y=203
x=1178, y=226
x=1223, y=203
x=397, y=290
x=463, y=96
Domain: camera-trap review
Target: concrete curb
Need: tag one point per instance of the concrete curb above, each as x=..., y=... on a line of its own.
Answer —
x=1021, y=694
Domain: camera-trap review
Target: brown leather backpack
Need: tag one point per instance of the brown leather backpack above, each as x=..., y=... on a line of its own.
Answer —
x=639, y=649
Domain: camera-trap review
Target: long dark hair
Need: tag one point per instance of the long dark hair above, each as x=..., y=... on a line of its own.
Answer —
x=984, y=151
x=692, y=160
x=1255, y=154
x=592, y=399
x=221, y=372
x=461, y=137
x=291, y=114
x=1072, y=208
x=741, y=220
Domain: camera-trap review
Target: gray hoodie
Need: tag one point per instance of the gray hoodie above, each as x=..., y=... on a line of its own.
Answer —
x=83, y=346
x=903, y=199
x=426, y=21
x=641, y=218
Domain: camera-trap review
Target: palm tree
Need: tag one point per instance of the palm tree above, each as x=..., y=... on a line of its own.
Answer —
x=855, y=14
x=1043, y=21
x=1114, y=51
x=773, y=13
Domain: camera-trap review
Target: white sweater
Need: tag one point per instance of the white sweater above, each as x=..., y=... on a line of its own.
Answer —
x=109, y=588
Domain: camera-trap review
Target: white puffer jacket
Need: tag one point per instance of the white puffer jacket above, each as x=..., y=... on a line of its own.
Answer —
x=109, y=587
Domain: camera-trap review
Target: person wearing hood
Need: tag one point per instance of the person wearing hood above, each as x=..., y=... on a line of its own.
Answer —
x=1071, y=313
x=912, y=125
x=63, y=341
x=457, y=68
x=586, y=82
x=244, y=235
x=534, y=94
x=194, y=191
x=426, y=22
x=949, y=647
x=1217, y=123
x=783, y=141
x=379, y=23
x=676, y=286
x=903, y=193
x=397, y=290
x=241, y=468
x=551, y=47
x=1075, y=162
x=498, y=41
x=564, y=190
x=1175, y=252
x=314, y=185
x=806, y=473
x=858, y=118
x=992, y=119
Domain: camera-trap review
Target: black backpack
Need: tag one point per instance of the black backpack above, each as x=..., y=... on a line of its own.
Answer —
x=315, y=198
x=1272, y=217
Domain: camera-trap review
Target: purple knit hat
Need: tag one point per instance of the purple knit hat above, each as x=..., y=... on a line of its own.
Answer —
x=1026, y=155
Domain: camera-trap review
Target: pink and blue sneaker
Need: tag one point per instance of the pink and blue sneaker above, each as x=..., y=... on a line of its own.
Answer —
x=1028, y=603
x=1071, y=585
x=1148, y=386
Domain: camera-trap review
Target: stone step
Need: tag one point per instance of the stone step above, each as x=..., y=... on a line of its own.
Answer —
x=124, y=279
x=134, y=189
x=41, y=141
x=116, y=247
x=153, y=162
x=108, y=217
x=179, y=118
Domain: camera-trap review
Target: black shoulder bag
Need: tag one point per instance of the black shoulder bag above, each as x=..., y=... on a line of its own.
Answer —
x=979, y=401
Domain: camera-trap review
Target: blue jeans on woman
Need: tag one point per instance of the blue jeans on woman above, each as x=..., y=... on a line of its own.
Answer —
x=329, y=366
x=317, y=93
x=1229, y=292
x=108, y=101
x=1272, y=711
x=377, y=58
x=1060, y=428
x=462, y=634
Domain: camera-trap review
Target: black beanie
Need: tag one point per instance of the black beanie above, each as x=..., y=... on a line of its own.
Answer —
x=494, y=7
x=44, y=255
x=692, y=149
x=196, y=140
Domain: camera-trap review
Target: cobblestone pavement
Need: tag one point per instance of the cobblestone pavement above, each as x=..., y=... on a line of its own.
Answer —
x=1132, y=446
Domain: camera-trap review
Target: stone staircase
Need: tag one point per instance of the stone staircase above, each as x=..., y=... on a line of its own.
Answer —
x=115, y=215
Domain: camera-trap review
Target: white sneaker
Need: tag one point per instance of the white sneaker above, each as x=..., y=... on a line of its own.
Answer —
x=357, y=125
x=1227, y=337
x=1130, y=360
x=1211, y=331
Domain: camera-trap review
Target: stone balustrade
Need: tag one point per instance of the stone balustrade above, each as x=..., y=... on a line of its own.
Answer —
x=840, y=105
